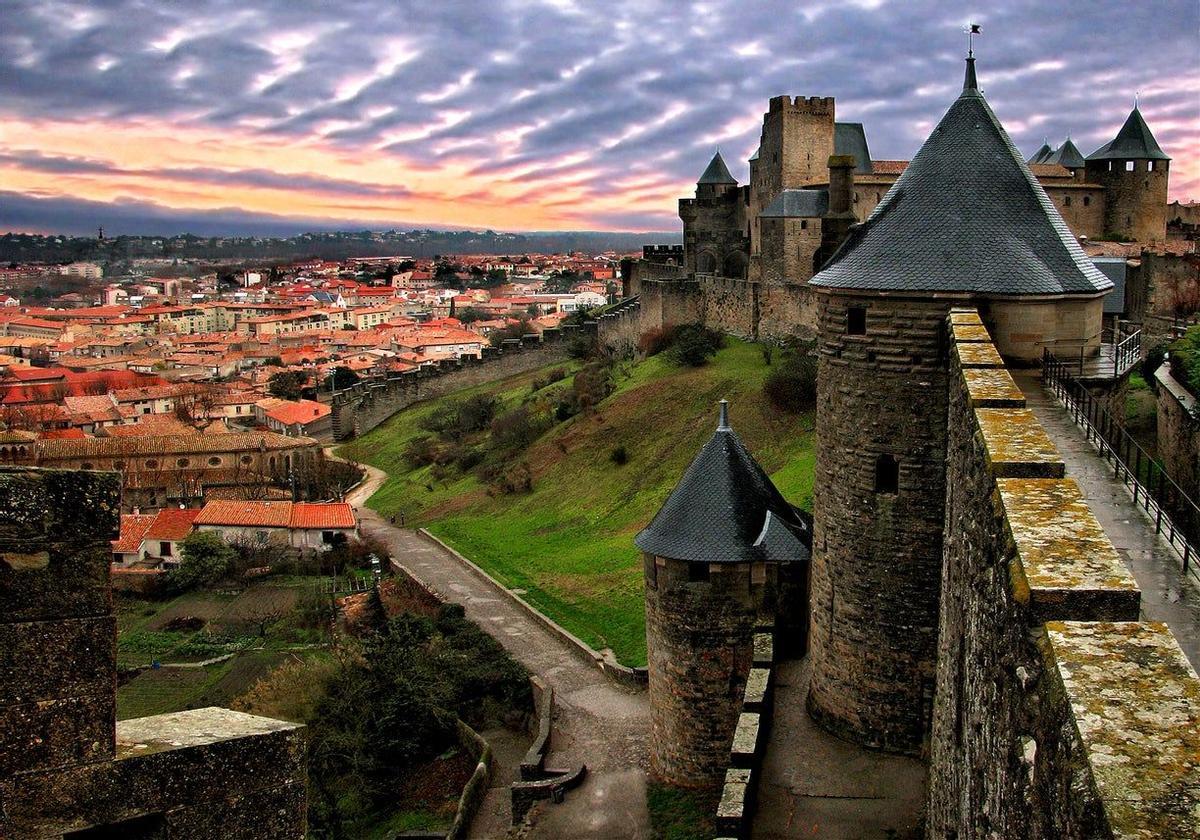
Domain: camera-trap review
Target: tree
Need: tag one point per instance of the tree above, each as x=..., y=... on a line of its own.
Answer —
x=342, y=377
x=286, y=385
x=205, y=559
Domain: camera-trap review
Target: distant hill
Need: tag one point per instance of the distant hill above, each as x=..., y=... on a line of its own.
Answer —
x=568, y=543
x=20, y=247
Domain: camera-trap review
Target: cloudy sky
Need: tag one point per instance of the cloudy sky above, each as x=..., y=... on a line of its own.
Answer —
x=284, y=115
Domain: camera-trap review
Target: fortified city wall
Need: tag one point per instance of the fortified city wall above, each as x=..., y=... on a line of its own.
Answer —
x=1058, y=712
x=364, y=406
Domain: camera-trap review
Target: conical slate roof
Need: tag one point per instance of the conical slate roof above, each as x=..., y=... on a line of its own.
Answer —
x=1133, y=141
x=717, y=172
x=1066, y=155
x=965, y=216
x=726, y=510
x=1041, y=154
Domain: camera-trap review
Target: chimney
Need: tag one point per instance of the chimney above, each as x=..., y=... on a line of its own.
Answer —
x=841, y=186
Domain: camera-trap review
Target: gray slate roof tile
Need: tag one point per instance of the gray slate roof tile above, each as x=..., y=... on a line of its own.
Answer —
x=965, y=216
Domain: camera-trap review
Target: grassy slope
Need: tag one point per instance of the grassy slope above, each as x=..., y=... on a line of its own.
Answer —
x=569, y=543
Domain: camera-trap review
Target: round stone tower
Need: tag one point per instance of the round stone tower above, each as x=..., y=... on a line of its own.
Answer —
x=712, y=556
x=965, y=224
x=1133, y=170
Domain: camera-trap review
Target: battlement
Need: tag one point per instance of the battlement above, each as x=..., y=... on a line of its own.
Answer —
x=816, y=105
x=1057, y=713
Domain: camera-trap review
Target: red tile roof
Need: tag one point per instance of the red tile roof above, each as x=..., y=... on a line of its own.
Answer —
x=172, y=524
x=133, y=530
x=303, y=515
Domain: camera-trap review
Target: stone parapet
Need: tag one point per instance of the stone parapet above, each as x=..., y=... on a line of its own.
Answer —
x=1057, y=713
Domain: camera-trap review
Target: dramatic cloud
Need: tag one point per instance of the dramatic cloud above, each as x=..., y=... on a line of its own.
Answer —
x=525, y=114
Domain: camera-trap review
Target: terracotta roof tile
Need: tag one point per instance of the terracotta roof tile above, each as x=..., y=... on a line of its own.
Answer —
x=172, y=524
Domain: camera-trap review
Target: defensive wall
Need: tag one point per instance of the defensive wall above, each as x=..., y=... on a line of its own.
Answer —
x=66, y=764
x=1178, y=419
x=362, y=407
x=747, y=308
x=1058, y=713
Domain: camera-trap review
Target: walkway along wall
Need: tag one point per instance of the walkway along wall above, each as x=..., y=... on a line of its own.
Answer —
x=364, y=406
x=1057, y=713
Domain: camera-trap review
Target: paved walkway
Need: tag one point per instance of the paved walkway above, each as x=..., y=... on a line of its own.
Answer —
x=1167, y=595
x=816, y=785
x=596, y=722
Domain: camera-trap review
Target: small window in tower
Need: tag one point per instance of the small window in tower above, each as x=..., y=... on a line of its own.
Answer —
x=697, y=572
x=1129, y=165
x=887, y=474
x=856, y=198
x=856, y=320
x=1149, y=166
x=1067, y=201
x=804, y=224
x=876, y=198
x=1087, y=199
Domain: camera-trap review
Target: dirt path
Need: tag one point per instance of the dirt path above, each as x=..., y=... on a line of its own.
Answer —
x=596, y=722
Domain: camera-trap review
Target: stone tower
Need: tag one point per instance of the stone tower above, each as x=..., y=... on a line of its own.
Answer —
x=966, y=223
x=1133, y=170
x=712, y=558
x=714, y=237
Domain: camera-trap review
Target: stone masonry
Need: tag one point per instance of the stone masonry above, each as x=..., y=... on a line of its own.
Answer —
x=1058, y=713
x=700, y=639
x=877, y=555
x=67, y=767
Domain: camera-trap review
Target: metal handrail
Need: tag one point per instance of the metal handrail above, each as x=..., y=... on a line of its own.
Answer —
x=1176, y=514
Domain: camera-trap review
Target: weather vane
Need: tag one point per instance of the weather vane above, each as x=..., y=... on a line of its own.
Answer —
x=972, y=29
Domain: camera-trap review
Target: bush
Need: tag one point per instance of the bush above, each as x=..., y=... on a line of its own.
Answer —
x=552, y=376
x=518, y=428
x=695, y=344
x=581, y=346
x=420, y=452
x=792, y=384
x=1151, y=363
x=1185, y=360
x=455, y=420
x=592, y=384
x=619, y=456
x=655, y=340
x=205, y=559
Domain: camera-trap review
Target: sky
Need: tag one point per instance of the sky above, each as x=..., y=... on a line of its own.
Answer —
x=279, y=116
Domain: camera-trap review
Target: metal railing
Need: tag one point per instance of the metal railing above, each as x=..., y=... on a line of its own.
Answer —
x=1176, y=514
x=1118, y=351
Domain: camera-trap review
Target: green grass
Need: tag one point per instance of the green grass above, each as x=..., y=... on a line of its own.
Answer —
x=677, y=814
x=569, y=542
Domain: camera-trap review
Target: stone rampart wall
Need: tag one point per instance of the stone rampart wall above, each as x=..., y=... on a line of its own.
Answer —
x=746, y=308
x=1178, y=431
x=739, y=793
x=361, y=408
x=1057, y=712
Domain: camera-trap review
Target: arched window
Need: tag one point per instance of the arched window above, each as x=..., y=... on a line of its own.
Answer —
x=887, y=474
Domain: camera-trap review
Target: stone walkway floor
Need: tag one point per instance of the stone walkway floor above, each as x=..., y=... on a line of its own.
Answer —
x=816, y=785
x=596, y=722
x=1167, y=596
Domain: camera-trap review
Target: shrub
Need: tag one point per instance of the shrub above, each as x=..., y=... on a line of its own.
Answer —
x=695, y=344
x=1151, y=363
x=1185, y=360
x=581, y=346
x=205, y=559
x=792, y=384
x=518, y=428
x=619, y=456
x=552, y=376
x=455, y=420
x=655, y=340
x=420, y=452
x=592, y=384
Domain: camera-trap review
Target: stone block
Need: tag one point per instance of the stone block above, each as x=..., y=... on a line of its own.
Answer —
x=732, y=809
x=47, y=734
x=758, y=684
x=1068, y=567
x=744, y=751
x=965, y=316
x=1135, y=699
x=969, y=332
x=1016, y=445
x=764, y=650
x=992, y=388
x=203, y=757
x=45, y=660
x=977, y=355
